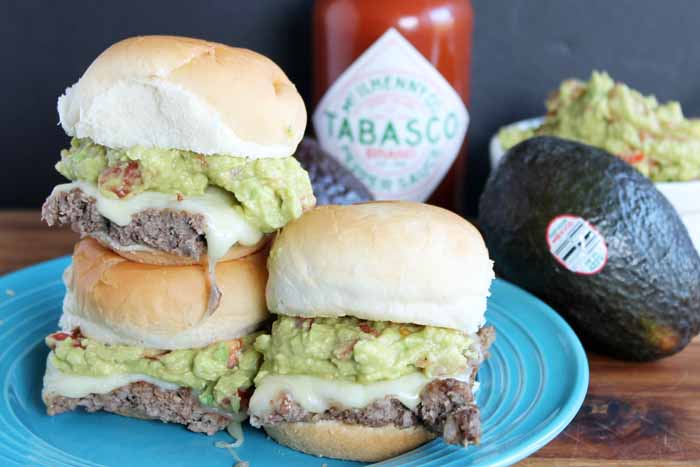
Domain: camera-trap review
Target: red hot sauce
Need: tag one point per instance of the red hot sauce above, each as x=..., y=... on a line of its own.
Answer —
x=391, y=83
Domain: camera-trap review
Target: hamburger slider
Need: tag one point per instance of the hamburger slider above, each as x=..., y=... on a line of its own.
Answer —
x=133, y=342
x=379, y=333
x=181, y=151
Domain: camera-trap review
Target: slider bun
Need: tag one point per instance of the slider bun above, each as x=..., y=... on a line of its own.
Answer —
x=351, y=442
x=121, y=302
x=162, y=258
x=384, y=261
x=183, y=93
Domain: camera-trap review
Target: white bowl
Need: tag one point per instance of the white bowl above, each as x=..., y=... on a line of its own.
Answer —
x=684, y=196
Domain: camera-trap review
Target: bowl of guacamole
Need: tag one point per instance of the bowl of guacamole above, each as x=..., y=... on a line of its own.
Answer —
x=656, y=138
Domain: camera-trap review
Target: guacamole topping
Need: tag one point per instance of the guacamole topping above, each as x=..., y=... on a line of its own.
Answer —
x=655, y=138
x=221, y=373
x=350, y=349
x=271, y=192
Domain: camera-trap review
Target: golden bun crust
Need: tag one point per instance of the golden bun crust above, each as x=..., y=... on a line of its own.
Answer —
x=162, y=258
x=120, y=301
x=350, y=442
x=185, y=93
x=395, y=261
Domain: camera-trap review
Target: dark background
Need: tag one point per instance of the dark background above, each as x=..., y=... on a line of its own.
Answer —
x=522, y=50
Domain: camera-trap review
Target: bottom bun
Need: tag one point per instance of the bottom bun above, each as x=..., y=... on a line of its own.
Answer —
x=163, y=258
x=350, y=442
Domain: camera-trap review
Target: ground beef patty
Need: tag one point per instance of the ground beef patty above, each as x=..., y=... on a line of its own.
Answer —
x=148, y=401
x=446, y=408
x=383, y=412
x=177, y=232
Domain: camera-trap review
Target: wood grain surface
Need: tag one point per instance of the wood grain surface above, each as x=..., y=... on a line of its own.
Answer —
x=635, y=414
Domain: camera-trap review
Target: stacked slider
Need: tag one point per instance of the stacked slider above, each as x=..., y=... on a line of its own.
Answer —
x=180, y=169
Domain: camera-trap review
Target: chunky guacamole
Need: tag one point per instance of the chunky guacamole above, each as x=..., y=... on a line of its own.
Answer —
x=655, y=138
x=271, y=192
x=361, y=351
x=221, y=373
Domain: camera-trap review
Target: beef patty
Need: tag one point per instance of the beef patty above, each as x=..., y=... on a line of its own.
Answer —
x=148, y=401
x=177, y=232
x=446, y=407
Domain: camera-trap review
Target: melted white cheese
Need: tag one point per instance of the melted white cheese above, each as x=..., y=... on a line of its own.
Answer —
x=225, y=226
x=318, y=395
x=57, y=383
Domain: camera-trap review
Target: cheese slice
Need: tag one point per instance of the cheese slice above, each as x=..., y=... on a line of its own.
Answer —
x=318, y=395
x=225, y=226
x=57, y=383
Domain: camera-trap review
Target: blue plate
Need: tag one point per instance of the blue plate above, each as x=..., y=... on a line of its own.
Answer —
x=531, y=387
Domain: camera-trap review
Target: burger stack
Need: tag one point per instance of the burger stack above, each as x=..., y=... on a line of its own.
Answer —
x=180, y=168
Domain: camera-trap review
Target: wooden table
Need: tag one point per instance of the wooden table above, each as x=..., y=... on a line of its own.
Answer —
x=636, y=415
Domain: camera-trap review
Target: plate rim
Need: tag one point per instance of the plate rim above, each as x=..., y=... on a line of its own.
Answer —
x=21, y=281
x=580, y=384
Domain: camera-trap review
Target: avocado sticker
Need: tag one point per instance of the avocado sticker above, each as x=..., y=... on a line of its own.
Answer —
x=577, y=245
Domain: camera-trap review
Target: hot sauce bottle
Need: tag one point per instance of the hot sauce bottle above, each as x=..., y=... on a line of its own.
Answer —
x=391, y=83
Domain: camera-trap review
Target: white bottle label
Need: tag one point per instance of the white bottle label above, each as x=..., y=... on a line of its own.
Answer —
x=393, y=120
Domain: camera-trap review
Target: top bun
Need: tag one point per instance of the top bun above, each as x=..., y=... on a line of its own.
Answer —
x=382, y=261
x=190, y=94
x=121, y=302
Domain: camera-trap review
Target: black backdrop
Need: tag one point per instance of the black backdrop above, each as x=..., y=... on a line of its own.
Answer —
x=523, y=48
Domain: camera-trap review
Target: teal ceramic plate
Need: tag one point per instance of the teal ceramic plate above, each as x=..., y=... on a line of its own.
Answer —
x=531, y=388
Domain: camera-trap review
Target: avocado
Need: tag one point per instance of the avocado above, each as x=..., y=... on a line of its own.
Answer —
x=331, y=181
x=590, y=235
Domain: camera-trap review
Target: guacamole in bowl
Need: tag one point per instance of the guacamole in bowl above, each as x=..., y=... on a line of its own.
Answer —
x=654, y=137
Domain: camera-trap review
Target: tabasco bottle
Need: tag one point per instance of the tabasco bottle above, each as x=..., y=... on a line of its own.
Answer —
x=391, y=83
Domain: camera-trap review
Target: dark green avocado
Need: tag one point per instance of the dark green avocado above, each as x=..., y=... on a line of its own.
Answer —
x=331, y=181
x=590, y=235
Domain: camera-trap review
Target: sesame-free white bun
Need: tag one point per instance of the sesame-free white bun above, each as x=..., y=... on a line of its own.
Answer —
x=352, y=442
x=162, y=258
x=183, y=93
x=117, y=301
x=383, y=261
